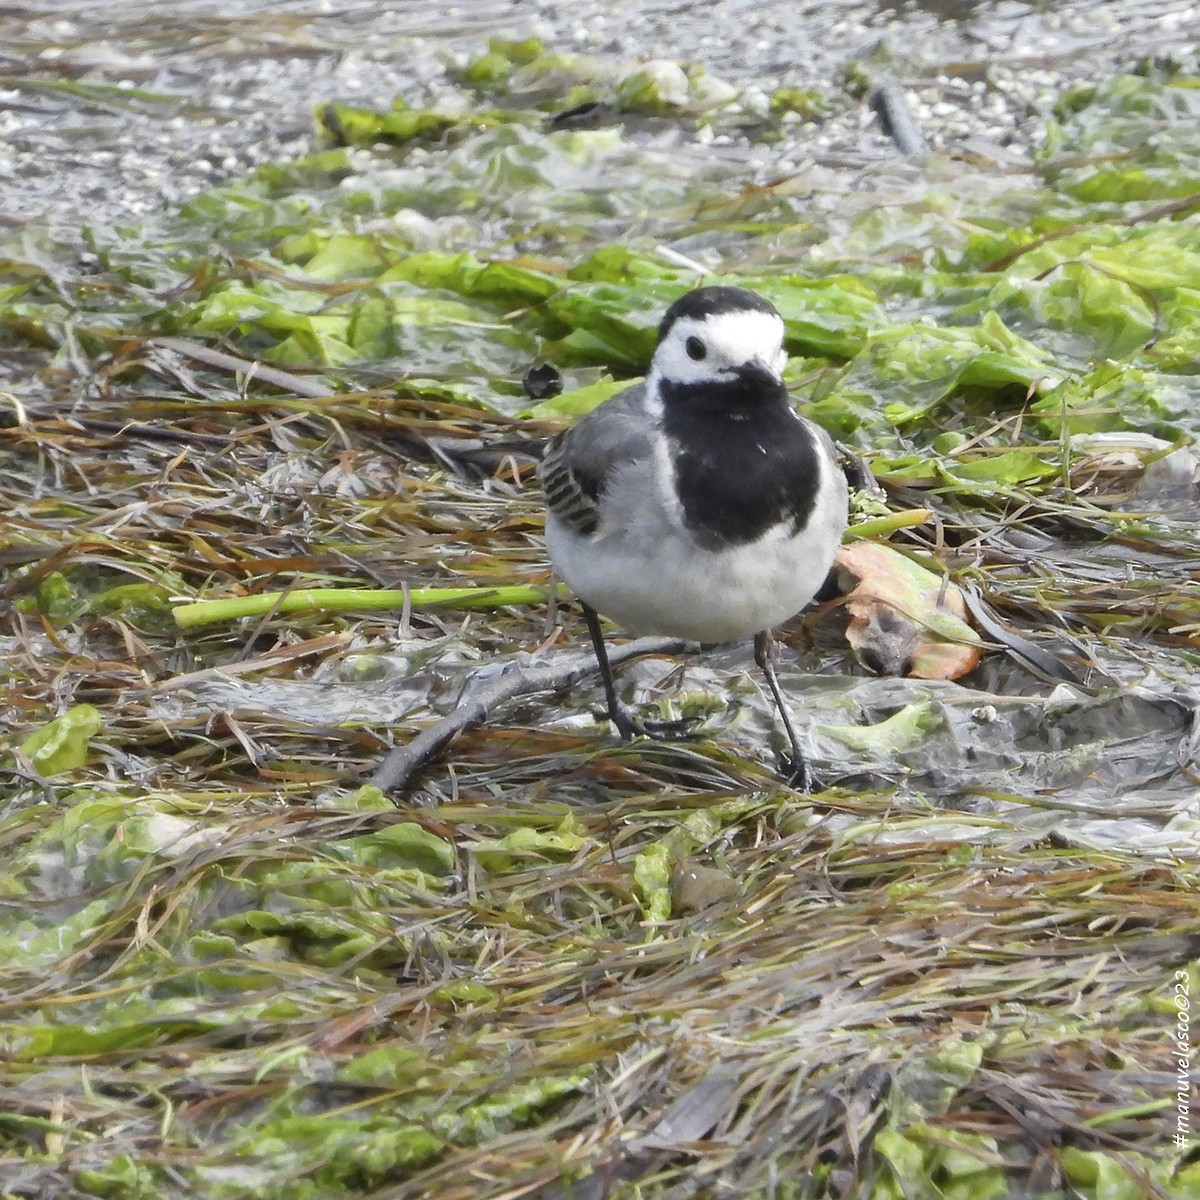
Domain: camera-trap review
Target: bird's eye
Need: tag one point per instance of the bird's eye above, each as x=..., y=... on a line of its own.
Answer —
x=695, y=348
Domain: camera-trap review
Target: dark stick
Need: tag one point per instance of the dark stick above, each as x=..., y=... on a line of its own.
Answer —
x=889, y=104
x=796, y=767
x=401, y=764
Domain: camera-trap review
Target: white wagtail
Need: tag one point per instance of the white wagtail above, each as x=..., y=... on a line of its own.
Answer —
x=698, y=504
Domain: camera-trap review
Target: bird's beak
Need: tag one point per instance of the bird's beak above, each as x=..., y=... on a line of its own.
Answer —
x=757, y=373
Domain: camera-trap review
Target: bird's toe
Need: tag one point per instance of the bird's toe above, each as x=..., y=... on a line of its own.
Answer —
x=629, y=727
x=797, y=773
x=682, y=729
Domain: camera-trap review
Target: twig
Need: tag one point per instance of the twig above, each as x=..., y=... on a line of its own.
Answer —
x=682, y=260
x=141, y=429
x=402, y=763
x=298, y=385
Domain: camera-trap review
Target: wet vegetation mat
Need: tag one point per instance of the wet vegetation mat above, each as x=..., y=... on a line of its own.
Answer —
x=268, y=511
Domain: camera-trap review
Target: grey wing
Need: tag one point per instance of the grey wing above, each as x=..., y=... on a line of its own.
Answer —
x=578, y=463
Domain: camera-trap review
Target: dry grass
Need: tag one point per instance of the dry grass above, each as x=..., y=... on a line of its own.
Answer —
x=638, y=967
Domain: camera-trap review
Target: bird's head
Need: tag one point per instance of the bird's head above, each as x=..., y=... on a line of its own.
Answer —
x=720, y=336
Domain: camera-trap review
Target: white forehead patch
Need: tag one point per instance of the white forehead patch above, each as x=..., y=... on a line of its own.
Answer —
x=730, y=339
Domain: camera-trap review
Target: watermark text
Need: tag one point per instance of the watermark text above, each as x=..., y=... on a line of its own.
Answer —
x=1182, y=1041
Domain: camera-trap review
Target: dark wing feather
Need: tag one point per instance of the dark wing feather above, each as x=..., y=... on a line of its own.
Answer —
x=577, y=464
x=571, y=494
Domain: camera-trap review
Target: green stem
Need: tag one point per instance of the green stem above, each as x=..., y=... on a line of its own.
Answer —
x=877, y=526
x=353, y=600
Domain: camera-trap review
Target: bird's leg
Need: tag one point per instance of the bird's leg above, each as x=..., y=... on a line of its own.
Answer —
x=617, y=713
x=794, y=766
x=626, y=724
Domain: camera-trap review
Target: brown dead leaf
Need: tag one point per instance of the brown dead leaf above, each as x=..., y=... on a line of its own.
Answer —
x=904, y=620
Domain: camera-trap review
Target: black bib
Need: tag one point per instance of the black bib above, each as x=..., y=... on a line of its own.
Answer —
x=743, y=461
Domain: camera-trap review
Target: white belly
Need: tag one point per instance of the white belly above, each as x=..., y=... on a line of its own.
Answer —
x=658, y=581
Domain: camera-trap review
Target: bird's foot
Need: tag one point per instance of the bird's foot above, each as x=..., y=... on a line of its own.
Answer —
x=629, y=727
x=797, y=773
x=680, y=729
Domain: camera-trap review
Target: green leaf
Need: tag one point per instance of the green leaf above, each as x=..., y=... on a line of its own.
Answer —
x=1098, y=1176
x=505, y=283
x=141, y=604
x=403, y=845
x=123, y=1178
x=388, y=1065
x=652, y=877
x=1008, y=467
x=488, y=71
x=343, y=256
x=902, y=731
x=353, y=126
x=516, y=848
x=1117, y=396
x=1136, y=141
x=339, y=1153
x=367, y=798
x=62, y=745
x=510, y=1109
x=905, y=1157
x=659, y=87
x=521, y=51
x=54, y=598
x=617, y=325
x=581, y=400
x=906, y=371
x=463, y=992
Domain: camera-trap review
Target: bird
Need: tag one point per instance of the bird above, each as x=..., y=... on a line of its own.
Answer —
x=698, y=504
